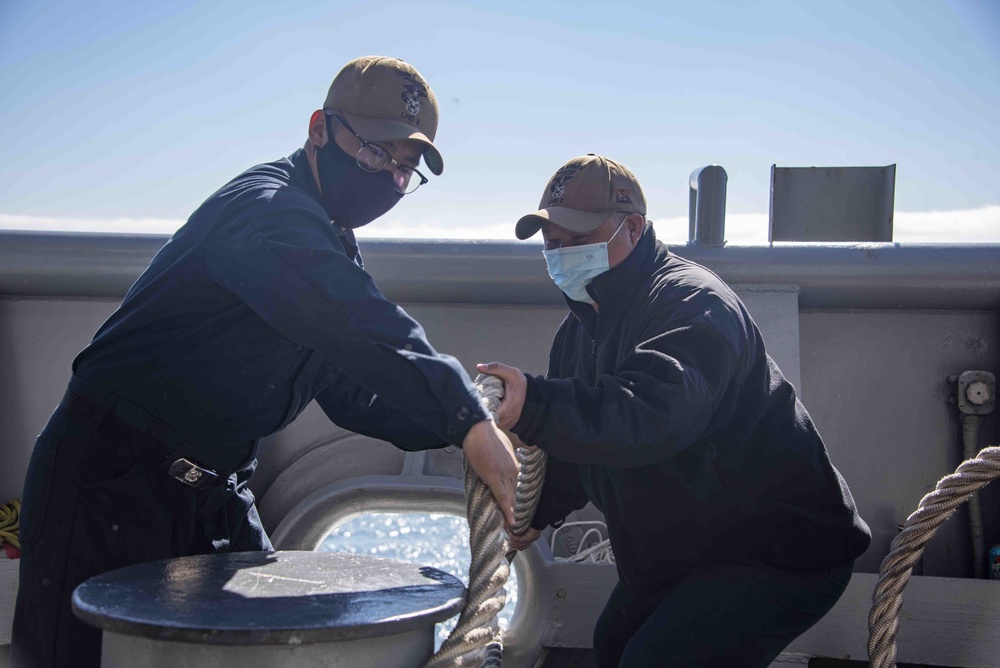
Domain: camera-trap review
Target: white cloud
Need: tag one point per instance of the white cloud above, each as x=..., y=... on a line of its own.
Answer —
x=960, y=226
x=120, y=225
x=971, y=225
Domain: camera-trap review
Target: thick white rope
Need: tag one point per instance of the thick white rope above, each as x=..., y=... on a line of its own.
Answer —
x=475, y=640
x=936, y=507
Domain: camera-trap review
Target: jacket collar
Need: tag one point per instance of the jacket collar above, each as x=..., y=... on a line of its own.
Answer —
x=614, y=290
x=302, y=176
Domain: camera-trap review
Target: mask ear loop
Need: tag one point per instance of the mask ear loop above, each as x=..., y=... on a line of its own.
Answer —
x=620, y=225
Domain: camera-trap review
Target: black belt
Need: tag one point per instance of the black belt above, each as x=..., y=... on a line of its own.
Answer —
x=186, y=462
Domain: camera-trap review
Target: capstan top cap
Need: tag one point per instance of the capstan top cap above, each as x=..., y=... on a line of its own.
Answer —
x=582, y=194
x=386, y=99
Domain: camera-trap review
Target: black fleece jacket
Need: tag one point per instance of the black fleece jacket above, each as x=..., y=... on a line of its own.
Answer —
x=664, y=409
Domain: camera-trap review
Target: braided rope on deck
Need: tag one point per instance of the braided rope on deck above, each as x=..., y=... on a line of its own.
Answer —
x=475, y=640
x=936, y=507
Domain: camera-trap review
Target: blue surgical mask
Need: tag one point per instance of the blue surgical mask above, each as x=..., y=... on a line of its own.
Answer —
x=575, y=267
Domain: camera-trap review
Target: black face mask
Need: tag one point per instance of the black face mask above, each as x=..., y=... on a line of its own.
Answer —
x=352, y=197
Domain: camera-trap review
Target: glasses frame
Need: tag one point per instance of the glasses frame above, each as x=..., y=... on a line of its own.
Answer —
x=388, y=159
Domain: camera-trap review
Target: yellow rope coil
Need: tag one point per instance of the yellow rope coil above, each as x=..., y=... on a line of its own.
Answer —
x=9, y=530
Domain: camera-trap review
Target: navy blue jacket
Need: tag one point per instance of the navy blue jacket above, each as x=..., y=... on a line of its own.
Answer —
x=258, y=305
x=665, y=411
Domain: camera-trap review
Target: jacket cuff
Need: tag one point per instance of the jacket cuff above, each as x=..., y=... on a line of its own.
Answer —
x=542, y=520
x=462, y=421
x=534, y=408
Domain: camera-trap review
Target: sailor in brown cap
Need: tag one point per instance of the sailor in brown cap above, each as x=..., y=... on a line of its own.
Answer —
x=732, y=531
x=258, y=305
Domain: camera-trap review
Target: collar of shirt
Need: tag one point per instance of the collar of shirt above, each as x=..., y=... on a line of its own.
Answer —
x=614, y=289
x=302, y=176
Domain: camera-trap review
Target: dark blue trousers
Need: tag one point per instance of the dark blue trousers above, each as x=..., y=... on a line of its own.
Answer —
x=97, y=497
x=719, y=615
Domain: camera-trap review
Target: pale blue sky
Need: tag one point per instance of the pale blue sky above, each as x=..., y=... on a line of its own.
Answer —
x=117, y=110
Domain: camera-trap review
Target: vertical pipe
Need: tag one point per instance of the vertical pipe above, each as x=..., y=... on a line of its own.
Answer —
x=692, y=206
x=970, y=441
x=707, y=206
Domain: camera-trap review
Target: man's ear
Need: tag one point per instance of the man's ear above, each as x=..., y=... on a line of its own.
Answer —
x=317, y=128
x=635, y=223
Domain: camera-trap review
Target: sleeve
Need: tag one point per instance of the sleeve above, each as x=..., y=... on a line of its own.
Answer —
x=660, y=398
x=562, y=493
x=351, y=406
x=562, y=488
x=288, y=266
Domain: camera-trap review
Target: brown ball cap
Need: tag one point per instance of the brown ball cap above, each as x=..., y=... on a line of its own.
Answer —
x=386, y=99
x=582, y=194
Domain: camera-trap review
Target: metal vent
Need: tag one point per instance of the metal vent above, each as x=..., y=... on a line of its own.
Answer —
x=831, y=203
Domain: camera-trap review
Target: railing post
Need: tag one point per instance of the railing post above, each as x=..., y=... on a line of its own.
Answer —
x=707, y=206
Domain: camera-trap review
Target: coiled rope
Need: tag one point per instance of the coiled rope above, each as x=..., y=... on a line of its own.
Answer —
x=475, y=640
x=9, y=528
x=600, y=552
x=936, y=507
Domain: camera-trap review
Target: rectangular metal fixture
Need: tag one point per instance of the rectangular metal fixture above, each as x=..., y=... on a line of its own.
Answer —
x=831, y=203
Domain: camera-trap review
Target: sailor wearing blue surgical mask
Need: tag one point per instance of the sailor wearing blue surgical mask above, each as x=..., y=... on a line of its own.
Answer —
x=662, y=408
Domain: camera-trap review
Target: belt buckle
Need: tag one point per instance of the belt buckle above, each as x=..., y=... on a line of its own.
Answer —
x=192, y=475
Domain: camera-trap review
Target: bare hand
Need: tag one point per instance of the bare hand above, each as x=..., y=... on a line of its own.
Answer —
x=491, y=456
x=515, y=388
x=525, y=540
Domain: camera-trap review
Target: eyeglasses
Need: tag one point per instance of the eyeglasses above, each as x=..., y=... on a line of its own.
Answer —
x=373, y=158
